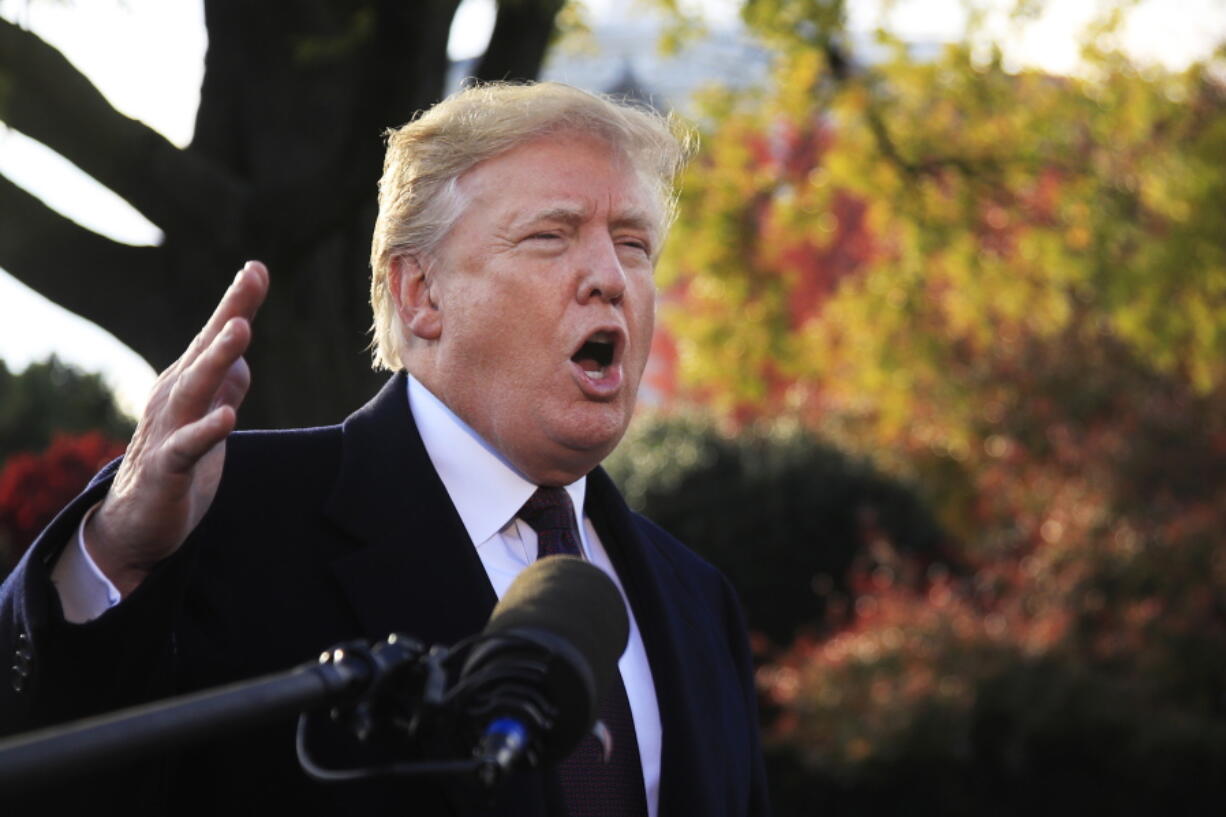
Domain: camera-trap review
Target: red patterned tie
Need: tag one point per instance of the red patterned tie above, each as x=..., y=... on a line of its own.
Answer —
x=590, y=786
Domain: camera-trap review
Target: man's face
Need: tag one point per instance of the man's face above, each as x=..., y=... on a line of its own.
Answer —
x=545, y=299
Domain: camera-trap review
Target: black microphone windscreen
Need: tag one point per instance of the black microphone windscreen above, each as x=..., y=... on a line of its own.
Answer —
x=548, y=654
x=575, y=600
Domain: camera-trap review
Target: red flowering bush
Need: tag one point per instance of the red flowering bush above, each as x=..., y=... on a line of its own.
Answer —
x=34, y=487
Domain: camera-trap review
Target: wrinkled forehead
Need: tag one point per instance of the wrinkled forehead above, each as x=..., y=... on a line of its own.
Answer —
x=642, y=199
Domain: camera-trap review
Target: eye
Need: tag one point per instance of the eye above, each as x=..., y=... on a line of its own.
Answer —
x=546, y=235
x=635, y=244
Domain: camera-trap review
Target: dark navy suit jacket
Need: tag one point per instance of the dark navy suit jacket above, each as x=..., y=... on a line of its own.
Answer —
x=321, y=535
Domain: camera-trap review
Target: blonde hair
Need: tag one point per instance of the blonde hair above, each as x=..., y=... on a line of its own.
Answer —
x=419, y=196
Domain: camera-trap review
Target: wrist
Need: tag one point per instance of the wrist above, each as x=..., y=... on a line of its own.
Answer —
x=108, y=557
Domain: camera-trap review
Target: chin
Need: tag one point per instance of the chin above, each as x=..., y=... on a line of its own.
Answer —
x=594, y=436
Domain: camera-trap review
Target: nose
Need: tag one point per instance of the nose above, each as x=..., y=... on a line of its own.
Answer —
x=602, y=277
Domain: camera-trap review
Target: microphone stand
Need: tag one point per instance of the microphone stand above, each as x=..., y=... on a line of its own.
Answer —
x=361, y=682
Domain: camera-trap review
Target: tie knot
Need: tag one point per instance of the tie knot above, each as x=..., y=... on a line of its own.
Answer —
x=548, y=509
x=551, y=514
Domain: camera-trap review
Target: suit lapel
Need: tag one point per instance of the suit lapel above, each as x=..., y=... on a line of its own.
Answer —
x=663, y=606
x=416, y=571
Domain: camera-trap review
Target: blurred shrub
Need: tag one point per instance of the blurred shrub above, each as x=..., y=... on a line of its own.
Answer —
x=34, y=487
x=51, y=397
x=933, y=704
x=1080, y=664
x=782, y=514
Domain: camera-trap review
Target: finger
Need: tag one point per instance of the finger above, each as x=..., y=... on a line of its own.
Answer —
x=189, y=444
x=234, y=385
x=241, y=300
x=198, y=386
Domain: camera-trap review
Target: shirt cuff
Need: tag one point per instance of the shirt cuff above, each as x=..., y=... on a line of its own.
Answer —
x=85, y=591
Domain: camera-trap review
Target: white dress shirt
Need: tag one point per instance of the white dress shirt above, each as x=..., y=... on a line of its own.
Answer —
x=487, y=492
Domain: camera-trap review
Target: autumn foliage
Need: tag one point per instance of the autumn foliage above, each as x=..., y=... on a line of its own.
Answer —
x=1007, y=289
x=1084, y=654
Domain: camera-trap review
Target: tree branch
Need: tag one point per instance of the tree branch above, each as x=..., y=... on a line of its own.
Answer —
x=97, y=278
x=929, y=165
x=45, y=97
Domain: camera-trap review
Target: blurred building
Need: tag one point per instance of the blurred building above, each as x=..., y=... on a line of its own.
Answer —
x=624, y=59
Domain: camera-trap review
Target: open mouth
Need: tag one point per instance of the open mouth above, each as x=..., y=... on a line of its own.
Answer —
x=596, y=354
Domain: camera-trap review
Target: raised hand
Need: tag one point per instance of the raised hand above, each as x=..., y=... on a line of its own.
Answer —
x=170, y=473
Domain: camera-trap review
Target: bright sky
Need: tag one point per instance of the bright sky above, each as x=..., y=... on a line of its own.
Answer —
x=147, y=56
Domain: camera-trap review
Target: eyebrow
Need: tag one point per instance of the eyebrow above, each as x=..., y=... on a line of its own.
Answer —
x=638, y=220
x=571, y=215
x=566, y=215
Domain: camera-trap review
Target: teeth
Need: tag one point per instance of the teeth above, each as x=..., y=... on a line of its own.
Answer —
x=594, y=374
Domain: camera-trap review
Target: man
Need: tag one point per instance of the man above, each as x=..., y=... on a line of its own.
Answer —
x=512, y=279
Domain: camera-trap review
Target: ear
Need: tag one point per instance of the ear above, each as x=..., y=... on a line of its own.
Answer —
x=415, y=303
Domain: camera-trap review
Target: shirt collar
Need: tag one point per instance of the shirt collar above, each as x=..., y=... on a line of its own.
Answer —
x=485, y=488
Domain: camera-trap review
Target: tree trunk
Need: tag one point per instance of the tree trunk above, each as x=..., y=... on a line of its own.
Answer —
x=283, y=167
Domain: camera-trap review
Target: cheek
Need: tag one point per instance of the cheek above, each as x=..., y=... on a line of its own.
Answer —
x=483, y=328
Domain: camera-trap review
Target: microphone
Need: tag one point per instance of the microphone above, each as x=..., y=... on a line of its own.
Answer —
x=527, y=692
x=534, y=678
